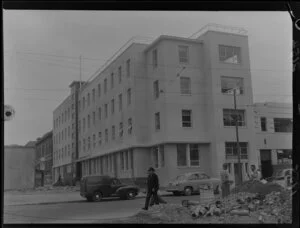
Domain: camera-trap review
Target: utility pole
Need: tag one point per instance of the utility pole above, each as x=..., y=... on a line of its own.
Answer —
x=237, y=139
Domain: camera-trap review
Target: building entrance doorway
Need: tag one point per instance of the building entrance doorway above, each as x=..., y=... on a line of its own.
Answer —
x=266, y=163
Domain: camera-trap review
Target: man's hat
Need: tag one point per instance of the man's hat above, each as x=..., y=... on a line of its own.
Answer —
x=151, y=169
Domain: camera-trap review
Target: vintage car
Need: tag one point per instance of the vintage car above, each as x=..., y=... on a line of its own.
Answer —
x=94, y=188
x=189, y=183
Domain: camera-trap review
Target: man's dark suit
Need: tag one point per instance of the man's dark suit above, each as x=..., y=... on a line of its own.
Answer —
x=152, y=188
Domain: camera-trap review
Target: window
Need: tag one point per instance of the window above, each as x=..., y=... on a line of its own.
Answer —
x=186, y=118
x=112, y=106
x=69, y=130
x=154, y=58
x=105, y=110
x=99, y=138
x=89, y=121
x=194, y=155
x=83, y=124
x=188, y=155
x=94, y=118
x=263, y=123
x=284, y=156
x=229, y=83
x=185, y=86
x=128, y=96
x=120, y=102
x=105, y=86
x=88, y=99
x=283, y=124
x=131, y=159
x=78, y=106
x=121, y=130
x=62, y=117
x=106, y=135
x=229, y=54
x=183, y=52
x=128, y=68
x=129, y=126
x=126, y=159
x=99, y=113
x=93, y=95
x=122, y=160
x=155, y=89
x=69, y=150
x=120, y=74
x=158, y=159
x=231, y=115
x=94, y=141
x=99, y=90
x=181, y=155
x=231, y=150
x=112, y=80
x=113, y=132
x=83, y=103
x=89, y=143
x=157, y=121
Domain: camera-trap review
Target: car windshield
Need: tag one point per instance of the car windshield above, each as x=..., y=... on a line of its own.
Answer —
x=180, y=178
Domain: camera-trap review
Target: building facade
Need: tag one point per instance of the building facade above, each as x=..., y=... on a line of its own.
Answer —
x=168, y=104
x=44, y=157
x=274, y=127
x=65, y=137
x=19, y=165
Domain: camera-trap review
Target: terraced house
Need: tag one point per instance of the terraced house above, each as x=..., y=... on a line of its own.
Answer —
x=167, y=104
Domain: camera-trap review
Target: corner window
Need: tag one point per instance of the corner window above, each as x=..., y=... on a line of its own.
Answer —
x=230, y=116
x=157, y=121
x=157, y=156
x=185, y=86
x=186, y=118
x=263, y=123
x=194, y=155
x=230, y=83
x=129, y=126
x=188, y=155
x=112, y=80
x=229, y=54
x=183, y=52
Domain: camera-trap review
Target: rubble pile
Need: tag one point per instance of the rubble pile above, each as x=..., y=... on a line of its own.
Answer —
x=275, y=207
x=255, y=186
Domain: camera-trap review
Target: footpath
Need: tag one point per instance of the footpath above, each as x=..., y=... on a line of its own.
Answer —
x=49, y=196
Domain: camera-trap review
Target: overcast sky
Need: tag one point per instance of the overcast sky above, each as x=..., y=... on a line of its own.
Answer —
x=31, y=37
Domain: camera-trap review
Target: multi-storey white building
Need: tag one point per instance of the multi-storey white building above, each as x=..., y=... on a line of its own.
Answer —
x=168, y=105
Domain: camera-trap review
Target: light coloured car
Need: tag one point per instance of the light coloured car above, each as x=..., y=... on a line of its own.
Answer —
x=189, y=183
x=283, y=177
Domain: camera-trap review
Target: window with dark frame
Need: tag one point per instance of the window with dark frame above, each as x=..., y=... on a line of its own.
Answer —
x=183, y=52
x=229, y=54
x=156, y=89
x=263, y=123
x=186, y=118
x=231, y=115
x=157, y=121
x=283, y=125
x=230, y=83
x=154, y=58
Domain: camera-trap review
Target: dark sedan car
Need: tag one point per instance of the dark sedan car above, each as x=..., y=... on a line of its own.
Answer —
x=94, y=188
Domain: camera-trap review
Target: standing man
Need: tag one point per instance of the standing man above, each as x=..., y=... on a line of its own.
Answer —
x=225, y=182
x=152, y=187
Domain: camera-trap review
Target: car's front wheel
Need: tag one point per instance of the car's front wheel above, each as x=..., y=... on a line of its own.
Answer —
x=131, y=194
x=97, y=196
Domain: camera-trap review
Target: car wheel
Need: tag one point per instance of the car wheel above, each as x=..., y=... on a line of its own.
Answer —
x=131, y=194
x=97, y=196
x=176, y=193
x=188, y=191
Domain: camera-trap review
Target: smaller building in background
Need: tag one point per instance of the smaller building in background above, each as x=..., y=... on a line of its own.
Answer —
x=274, y=128
x=19, y=167
x=43, y=160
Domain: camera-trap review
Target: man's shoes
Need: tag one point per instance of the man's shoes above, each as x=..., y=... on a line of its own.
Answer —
x=145, y=209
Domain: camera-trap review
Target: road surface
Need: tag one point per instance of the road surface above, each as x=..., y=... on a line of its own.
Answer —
x=80, y=211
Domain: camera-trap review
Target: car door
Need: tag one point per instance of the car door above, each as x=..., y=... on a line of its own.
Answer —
x=193, y=180
x=114, y=185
